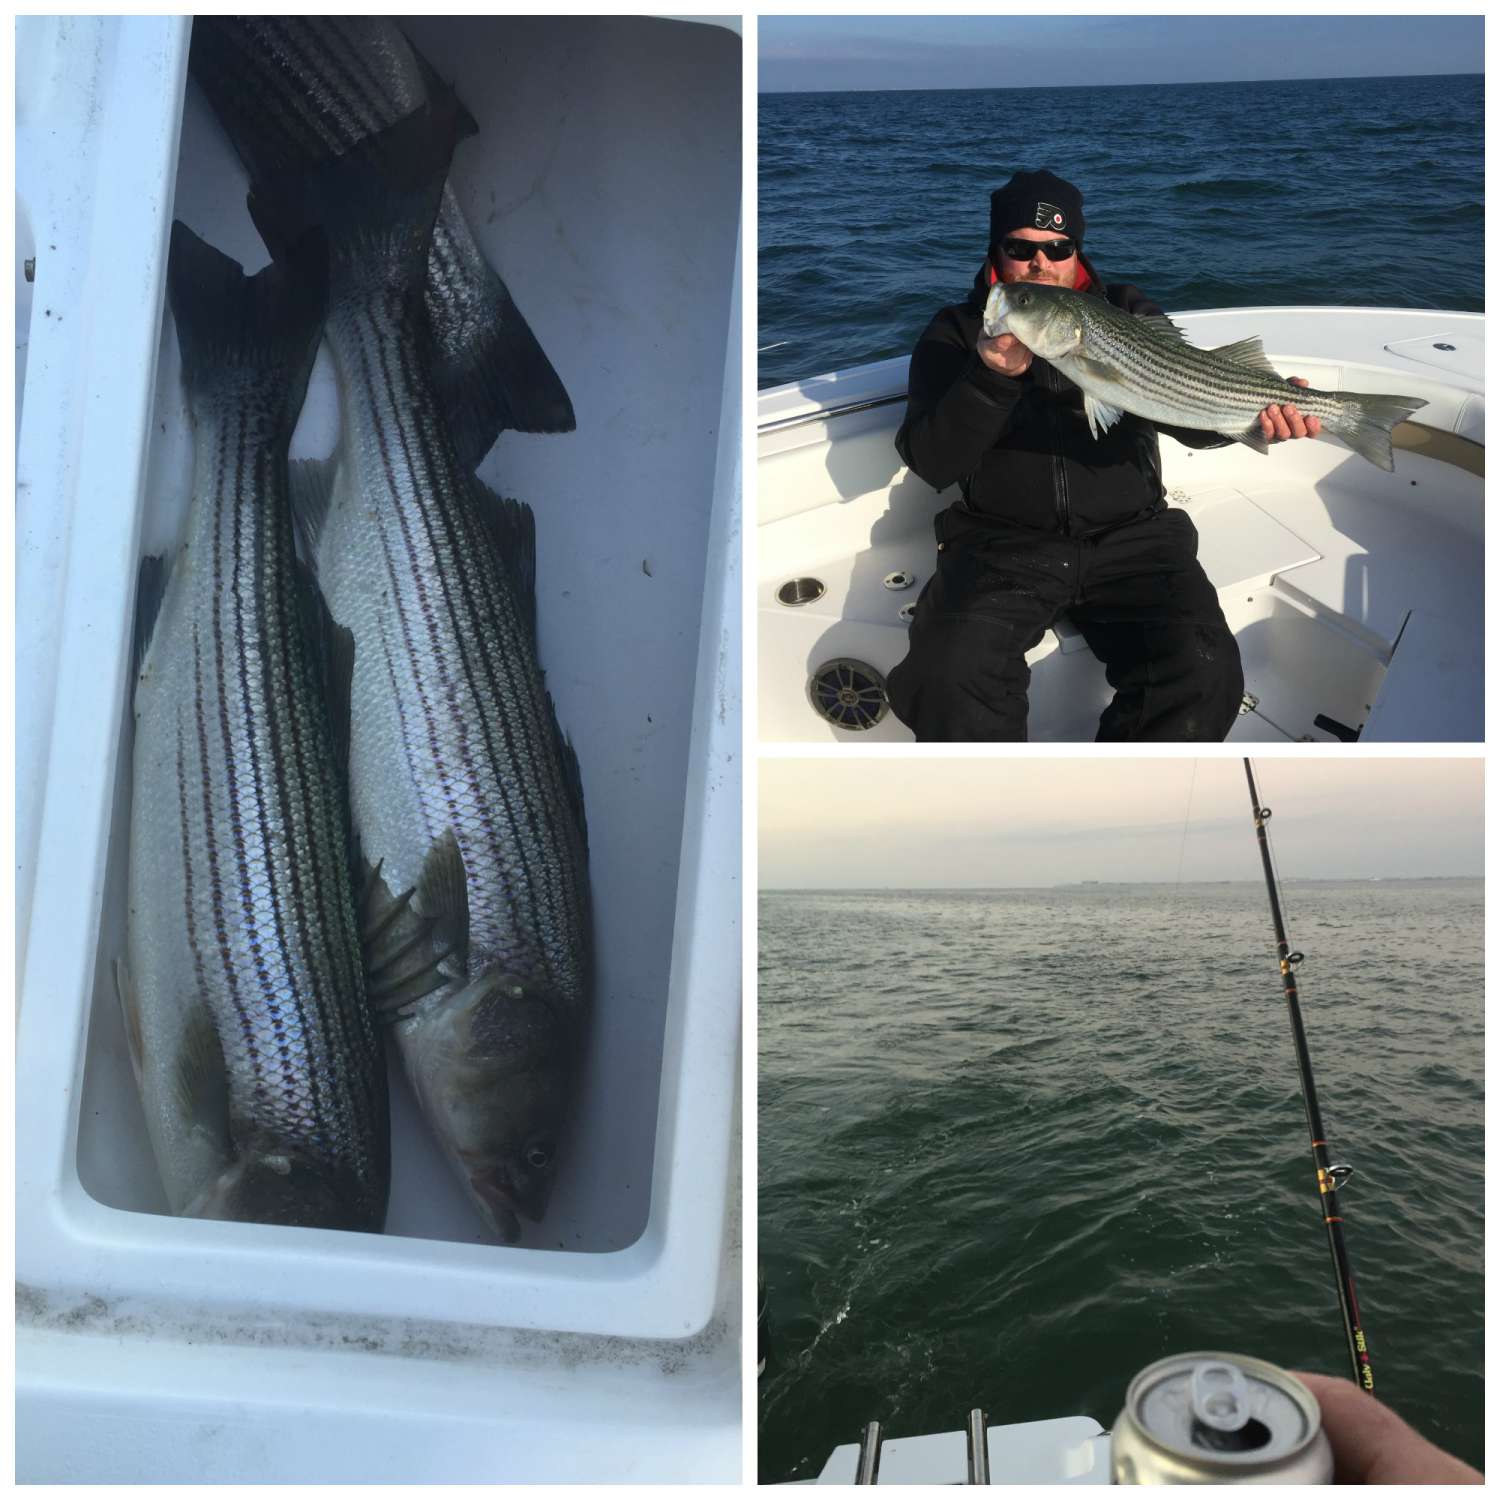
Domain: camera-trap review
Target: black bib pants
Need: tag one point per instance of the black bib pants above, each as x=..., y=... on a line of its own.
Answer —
x=1135, y=591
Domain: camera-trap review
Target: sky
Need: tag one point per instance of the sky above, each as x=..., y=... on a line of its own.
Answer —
x=947, y=52
x=944, y=822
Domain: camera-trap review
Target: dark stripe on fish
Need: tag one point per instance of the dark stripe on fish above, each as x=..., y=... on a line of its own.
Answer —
x=444, y=564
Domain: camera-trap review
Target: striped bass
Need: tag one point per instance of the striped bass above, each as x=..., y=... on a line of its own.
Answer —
x=290, y=89
x=465, y=800
x=259, y=1066
x=1145, y=366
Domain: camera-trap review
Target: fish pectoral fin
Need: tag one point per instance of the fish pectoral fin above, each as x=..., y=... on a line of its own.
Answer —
x=310, y=481
x=150, y=590
x=1248, y=353
x=408, y=939
x=377, y=907
x=1252, y=437
x=1102, y=416
x=443, y=894
x=200, y=1081
x=400, y=952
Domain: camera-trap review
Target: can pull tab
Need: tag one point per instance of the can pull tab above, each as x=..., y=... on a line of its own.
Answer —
x=1221, y=1399
x=1221, y=1410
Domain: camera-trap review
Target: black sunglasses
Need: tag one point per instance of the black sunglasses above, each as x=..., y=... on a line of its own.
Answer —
x=1014, y=249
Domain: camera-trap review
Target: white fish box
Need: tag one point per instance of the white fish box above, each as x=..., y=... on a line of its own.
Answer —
x=604, y=187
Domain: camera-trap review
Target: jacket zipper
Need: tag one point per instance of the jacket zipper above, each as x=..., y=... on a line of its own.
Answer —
x=1059, y=472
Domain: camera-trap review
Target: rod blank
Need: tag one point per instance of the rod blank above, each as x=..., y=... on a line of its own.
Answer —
x=1328, y=1179
x=868, y=1469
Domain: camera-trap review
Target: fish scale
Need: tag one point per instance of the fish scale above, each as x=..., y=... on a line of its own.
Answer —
x=443, y=593
x=260, y=1069
x=1144, y=365
x=463, y=795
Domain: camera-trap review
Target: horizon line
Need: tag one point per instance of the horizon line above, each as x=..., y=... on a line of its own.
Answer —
x=1057, y=885
x=1180, y=83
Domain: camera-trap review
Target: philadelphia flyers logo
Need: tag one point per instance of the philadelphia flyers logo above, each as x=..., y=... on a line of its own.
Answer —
x=1050, y=216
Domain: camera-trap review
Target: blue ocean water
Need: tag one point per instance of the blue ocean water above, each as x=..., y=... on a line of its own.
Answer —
x=1017, y=1144
x=874, y=207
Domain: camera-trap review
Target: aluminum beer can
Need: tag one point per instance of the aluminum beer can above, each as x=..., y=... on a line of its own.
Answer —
x=1219, y=1419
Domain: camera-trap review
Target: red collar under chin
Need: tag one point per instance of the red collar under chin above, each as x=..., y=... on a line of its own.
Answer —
x=1084, y=282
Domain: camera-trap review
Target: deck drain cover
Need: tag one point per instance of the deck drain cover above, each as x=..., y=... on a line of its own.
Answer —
x=849, y=694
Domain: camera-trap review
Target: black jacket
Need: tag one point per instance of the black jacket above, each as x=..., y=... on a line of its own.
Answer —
x=1020, y=449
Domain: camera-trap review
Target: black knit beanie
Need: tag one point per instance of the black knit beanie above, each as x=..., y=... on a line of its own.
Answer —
x=1036, y=200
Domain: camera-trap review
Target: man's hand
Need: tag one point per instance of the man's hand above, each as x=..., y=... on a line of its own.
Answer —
x=1372, y=1445
x=1005, y=354
x=1278, y=423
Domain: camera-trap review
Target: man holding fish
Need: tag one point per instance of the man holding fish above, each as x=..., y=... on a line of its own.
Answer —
x=1062, y=508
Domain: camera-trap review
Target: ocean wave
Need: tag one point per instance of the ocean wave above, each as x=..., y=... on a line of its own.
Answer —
x=1230, y=187
x=955, y=169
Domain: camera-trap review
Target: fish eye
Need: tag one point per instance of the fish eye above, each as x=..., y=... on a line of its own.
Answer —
x=539, y=1155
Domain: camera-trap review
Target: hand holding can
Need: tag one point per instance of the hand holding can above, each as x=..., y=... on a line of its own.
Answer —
x=1219, y=1419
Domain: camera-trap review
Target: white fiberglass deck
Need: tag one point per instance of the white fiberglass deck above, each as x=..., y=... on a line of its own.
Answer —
x=1356, y=596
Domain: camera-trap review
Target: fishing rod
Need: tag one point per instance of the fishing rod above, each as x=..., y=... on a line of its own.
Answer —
x=1330, y=1176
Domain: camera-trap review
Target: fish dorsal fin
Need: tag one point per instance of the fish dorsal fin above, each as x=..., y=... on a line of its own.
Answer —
x=512, y=531
x=339, y=667
x=1250, y=354
x=310, y=481
x=1163, y=327
x=572, y=776
x=332, y=647
x=443, y=894
x=150, y=590
x=1102, y=416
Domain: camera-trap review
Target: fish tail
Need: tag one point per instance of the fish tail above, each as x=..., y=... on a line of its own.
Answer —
x=1365, y=423
x=247, y=335
x=501, y=379
x=239, y=77
x=377, y=203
